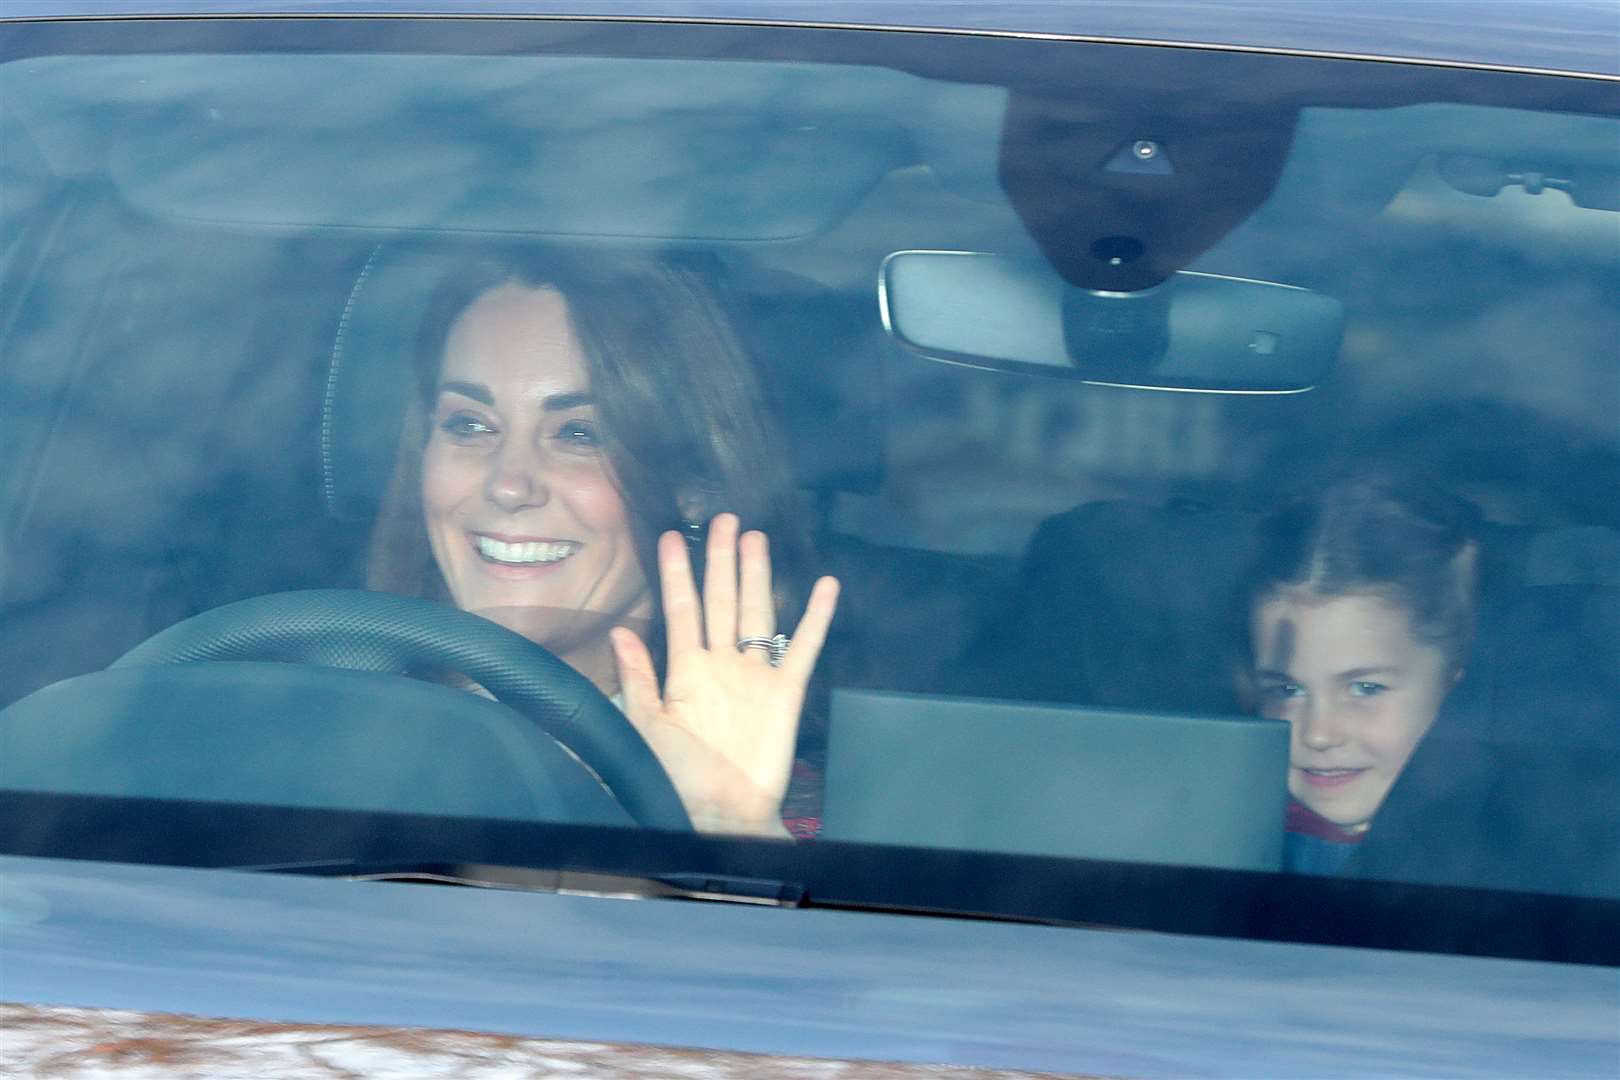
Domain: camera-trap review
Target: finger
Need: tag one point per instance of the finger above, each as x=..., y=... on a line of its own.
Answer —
x=683, y=626
x=756, y=616
x=811, y=633
x=720, y=581
x=638, y=681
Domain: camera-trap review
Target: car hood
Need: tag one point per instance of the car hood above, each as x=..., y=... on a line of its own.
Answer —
x=795, y=983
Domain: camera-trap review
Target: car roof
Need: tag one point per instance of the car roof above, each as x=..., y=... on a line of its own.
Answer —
x=1570, y=36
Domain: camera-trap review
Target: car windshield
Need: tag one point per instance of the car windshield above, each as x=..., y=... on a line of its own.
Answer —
x=438, y=426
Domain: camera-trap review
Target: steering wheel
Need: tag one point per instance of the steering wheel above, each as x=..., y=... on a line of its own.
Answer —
x=382, y=632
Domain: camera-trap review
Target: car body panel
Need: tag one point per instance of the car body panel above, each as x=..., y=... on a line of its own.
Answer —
x=802, y=983
x=1560, y=35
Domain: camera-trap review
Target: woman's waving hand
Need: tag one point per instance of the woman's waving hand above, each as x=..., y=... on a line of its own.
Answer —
x=725, y=722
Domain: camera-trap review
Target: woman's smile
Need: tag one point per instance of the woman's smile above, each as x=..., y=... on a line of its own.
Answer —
x=523, y=553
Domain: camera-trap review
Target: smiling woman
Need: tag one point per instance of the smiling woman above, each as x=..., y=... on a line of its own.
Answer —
x=523, y=516
x=567, y=416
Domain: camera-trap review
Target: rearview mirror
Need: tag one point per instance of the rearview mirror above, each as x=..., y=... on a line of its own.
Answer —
x=1194, y=331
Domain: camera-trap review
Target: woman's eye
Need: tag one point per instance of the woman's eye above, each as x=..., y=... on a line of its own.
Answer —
x=1362, y=688
x=464, y=426
x=579, y=435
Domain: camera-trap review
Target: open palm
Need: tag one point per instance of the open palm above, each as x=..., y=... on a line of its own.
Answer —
x=725, y=722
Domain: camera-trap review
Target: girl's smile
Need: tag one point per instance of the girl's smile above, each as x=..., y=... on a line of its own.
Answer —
x=1358, y=688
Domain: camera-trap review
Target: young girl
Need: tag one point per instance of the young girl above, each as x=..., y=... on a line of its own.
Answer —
x=1360, y=608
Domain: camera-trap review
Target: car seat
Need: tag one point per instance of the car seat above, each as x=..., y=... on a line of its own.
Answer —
x=1124, y=604
x=1518, y=783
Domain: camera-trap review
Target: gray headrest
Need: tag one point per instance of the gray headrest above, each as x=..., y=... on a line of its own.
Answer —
x=1579, y=555
x=370, y=381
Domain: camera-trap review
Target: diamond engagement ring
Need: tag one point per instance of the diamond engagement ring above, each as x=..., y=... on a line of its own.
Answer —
x=776, y=647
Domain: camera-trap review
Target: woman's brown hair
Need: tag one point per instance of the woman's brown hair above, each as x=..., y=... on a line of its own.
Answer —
x=684, y=419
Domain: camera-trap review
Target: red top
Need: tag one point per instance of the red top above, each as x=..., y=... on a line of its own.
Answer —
x=1302, y=819
x=801, y=808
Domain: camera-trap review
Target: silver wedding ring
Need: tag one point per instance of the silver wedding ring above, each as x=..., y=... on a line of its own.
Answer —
x=776, y=647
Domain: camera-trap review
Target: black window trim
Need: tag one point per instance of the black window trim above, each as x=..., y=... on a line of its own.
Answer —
x=1388, y=915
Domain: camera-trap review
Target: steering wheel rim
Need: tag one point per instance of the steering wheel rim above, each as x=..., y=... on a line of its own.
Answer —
x=383, y=632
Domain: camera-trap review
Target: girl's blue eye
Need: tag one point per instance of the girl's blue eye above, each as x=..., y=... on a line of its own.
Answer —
x=1362, y=688
x=1282, y=690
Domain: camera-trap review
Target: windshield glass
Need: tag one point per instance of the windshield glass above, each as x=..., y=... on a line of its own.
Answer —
x=1160, y=457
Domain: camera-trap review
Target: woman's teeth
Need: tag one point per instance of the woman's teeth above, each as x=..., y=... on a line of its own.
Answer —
x=528, y=551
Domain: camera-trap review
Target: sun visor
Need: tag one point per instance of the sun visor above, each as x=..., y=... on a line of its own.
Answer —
x=508, y=145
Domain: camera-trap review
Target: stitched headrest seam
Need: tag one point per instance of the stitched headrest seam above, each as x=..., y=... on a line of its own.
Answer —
x=328, y=466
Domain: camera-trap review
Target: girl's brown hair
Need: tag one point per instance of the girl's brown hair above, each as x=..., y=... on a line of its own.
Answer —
x=1393, y=535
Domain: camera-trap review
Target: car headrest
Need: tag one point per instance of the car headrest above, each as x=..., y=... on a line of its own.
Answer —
x=1579, y=555
x=369, y=378
x=1126, y=591
x=815, y=351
